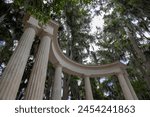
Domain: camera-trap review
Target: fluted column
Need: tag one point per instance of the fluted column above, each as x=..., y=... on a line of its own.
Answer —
x=13, y=73
x=56, y=93
x=125, y=88
x=88, y=89
x=35, y=88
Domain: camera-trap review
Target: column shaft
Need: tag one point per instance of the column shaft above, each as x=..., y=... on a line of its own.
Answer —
x=56, y=93
x=13, y=73
x=125, y=88
x=130, y=86
x=88, y=89
x=35, y=88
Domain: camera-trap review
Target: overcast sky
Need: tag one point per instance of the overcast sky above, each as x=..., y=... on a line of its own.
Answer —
x=97, y=21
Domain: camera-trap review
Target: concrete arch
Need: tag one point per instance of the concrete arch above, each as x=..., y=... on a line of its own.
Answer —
x=86, y=71
x=74, y=68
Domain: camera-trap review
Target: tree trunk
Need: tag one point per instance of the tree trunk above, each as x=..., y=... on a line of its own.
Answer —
x=141, y=57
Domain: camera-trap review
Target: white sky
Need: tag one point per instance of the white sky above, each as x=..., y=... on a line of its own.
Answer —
x=9, y=1
x=97, y=21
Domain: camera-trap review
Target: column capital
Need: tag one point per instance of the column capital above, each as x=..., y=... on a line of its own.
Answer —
x=47, y=31
x=54, y=24
x=30, y=21
x=50, y=29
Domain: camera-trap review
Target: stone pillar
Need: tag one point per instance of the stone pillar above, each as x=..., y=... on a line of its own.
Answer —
x=35, y=88
x=125, y=88
x=88, y=89
x=56, y=93
x=13, y=73
x=129, y=85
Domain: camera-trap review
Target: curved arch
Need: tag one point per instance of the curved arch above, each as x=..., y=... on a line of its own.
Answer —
x=71, y=67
